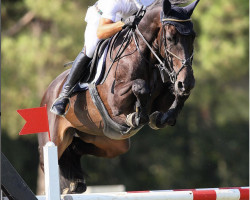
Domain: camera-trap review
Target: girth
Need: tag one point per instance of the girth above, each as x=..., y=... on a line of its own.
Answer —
x=111, y=129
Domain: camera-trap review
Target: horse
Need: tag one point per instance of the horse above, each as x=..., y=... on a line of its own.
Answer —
x=147, y=84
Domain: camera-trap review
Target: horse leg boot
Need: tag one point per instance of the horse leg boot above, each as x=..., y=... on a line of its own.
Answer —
x=141, y=91
x=79, y=66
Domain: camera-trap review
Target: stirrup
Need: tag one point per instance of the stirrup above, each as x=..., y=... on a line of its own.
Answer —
x=51, y=109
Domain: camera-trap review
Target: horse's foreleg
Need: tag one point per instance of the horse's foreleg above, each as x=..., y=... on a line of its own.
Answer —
x=169, y=118
x=131, y=99
x=142, y=92
x=161, y=119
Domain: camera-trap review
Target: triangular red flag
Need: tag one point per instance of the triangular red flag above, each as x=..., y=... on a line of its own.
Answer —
x=36, y=120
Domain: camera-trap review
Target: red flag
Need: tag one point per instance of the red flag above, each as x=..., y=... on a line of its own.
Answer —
x=36, y=120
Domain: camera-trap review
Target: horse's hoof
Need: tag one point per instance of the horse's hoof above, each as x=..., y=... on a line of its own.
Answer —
x=76, y=187
x=171, y=122
x=169, y=118
x=131, y=120
x=153, y=118
x=144, y=119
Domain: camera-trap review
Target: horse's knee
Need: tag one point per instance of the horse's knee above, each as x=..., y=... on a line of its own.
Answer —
x=141, y=91
x=140, y=87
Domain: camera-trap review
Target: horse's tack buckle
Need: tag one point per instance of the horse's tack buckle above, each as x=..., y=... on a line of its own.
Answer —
x=163, y=73
x=173, y=76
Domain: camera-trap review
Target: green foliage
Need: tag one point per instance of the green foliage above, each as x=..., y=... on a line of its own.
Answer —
x=209, y=145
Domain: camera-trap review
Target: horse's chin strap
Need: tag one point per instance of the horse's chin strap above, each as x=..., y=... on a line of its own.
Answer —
x=162, y=66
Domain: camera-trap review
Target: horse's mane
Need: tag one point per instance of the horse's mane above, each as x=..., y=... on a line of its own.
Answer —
x=179, y=2
x=173, y=2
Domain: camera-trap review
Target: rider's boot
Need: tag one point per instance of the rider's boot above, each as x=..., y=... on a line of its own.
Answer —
x=80, y=64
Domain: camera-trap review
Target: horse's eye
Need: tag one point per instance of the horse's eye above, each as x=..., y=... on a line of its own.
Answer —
x=171, y=38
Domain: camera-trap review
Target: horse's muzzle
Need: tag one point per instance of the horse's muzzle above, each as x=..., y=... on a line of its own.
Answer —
x=183, y=88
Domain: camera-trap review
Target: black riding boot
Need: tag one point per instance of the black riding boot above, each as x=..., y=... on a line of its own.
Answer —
x=80, y=64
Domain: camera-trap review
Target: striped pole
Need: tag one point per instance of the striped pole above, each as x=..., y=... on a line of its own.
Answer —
x=235, y=193
x=52, y=188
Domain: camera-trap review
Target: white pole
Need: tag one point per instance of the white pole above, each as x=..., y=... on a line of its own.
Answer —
x=51, y=171
x=240, y=193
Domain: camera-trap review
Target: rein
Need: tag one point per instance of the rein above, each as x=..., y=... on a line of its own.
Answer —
x=123, y=46
x=162, y=62
x=126, y=41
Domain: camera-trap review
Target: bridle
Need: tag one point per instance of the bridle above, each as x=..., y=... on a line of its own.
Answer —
x=170, y=69
x=163, y=67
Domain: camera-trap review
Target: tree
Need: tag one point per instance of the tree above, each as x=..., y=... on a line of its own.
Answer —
x=209, y=145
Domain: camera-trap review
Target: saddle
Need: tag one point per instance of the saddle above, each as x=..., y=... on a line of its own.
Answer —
x=95, y=70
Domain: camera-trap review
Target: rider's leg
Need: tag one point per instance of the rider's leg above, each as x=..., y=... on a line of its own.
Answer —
x=78, y=68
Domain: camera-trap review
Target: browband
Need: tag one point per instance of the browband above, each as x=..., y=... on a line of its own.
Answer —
x=176, y=20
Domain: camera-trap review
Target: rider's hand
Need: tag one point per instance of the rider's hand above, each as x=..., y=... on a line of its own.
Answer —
x=131, y=22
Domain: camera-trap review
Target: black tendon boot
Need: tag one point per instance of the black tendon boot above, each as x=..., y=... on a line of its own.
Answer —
x=80, y=64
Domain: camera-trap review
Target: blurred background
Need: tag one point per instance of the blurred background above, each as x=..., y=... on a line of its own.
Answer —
x=209, y=145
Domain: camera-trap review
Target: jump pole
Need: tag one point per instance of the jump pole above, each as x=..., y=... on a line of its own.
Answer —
x=36, y=123
x=241, y=193
x=52, y=189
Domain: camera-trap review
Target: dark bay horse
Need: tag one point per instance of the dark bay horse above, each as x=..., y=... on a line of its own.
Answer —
x=147, y=84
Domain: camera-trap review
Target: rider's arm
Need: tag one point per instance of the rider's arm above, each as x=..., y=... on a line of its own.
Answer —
x=108, y=28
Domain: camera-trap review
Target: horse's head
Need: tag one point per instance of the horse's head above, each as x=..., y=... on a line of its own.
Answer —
x=176, y=45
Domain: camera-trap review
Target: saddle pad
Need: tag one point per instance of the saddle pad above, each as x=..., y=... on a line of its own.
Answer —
x=98, y=76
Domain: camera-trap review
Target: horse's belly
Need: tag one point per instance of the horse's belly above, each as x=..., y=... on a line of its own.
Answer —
x=84, y=116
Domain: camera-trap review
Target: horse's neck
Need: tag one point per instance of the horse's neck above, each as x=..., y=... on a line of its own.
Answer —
x=150, y=28
x=150, y=24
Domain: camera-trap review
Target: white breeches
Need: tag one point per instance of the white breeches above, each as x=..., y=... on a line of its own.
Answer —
x=92, y=18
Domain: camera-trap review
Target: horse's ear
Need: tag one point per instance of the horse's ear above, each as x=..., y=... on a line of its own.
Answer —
x=166, y=7
x=190, y=8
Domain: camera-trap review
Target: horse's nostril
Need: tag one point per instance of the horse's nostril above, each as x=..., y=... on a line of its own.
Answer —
x=180, y=86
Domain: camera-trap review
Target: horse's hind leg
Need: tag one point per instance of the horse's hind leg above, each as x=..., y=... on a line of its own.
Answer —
x=141, y=91
x=71, y=174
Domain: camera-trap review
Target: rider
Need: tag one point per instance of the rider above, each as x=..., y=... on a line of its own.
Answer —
x=104, y=19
